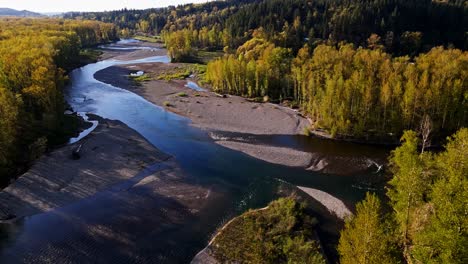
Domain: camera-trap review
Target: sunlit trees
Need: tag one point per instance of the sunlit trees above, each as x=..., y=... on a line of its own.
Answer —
x=348, y=91
x=258, y=68
x=410, y=186
x=34, y=57
x=443, y=234
x=366, y=91
x=429, y=194
x=366, y=238
x=429, y=200
x=179, y=44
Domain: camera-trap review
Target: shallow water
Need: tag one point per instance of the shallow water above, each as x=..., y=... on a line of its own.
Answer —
x=85, y=132
x=124, y=226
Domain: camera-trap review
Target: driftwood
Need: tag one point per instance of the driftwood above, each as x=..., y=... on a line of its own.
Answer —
x=76, y=153
x=221, y=95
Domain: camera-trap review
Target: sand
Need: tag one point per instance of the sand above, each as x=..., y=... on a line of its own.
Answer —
x=209, y=111
x=333, y=204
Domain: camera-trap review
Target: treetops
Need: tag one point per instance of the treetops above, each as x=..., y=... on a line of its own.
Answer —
x=428, y=196
x=352, y=91
x=34, y=56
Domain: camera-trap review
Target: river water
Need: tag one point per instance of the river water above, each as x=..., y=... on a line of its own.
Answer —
x=130, y=222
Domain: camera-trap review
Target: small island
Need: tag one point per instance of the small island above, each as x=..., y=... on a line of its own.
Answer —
x=282, y=232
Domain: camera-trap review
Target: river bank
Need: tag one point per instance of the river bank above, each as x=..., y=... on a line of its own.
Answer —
x=183, y=201
x=220, y=116
x=56, y=179
x=232, y=121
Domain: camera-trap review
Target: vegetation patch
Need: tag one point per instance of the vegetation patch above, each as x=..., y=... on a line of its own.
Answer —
x=35, y=54
x=182, y=94
x=151, y=39
x=183, y=72
x=280, y=233
x=89, y=56
x=427, y=223
x=143, y=78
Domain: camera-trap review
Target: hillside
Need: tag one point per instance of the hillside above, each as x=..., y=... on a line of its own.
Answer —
x=18, y=13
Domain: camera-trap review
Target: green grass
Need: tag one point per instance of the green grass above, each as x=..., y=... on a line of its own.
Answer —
x=182, y=94
x=151, y=39
x=183, y=72
x=143, y=78
x=281, y=233
x=177, y=74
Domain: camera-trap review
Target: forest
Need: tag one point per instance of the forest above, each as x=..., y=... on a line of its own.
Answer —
x=358, y=69
x=348, y=91
x=389, y=70
x=406, y=27
x=35, y=55
x=428, y=220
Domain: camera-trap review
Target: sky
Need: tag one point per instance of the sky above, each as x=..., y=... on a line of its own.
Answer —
x=88, y=5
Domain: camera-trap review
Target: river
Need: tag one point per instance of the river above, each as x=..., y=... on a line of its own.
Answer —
x=65, y=235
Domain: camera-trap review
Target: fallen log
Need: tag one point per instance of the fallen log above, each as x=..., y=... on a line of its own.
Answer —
x=76, y=153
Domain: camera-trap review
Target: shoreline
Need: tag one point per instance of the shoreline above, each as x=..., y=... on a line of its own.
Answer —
x=234, y=122
x=217, y=115
x=56, y=179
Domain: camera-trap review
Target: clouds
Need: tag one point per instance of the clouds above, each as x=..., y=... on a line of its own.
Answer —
x=89, y=5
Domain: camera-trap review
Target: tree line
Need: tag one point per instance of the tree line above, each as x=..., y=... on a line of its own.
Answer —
x=406, y=27
x=35, y=55
x=428, y=220
x=349, y=91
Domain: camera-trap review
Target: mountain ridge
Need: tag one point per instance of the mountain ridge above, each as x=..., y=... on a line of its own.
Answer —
x=4, y=11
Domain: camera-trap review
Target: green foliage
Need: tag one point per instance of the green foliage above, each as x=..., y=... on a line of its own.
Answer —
x=410, y=183
x=404, y=27
x=429, y=198
x=443, y=237
x=151, y=39
x=258, y=69
x=366, y=238
x=281, y=233
x=429, y=194
x=348, y=91
x=182, y=94
x=167, y=104
x=34, y=56
x=179, y=44
x=143, y=78
x=177, y=74
x=183, y=72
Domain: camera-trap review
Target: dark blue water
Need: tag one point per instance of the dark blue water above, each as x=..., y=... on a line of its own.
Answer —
x=128, y=226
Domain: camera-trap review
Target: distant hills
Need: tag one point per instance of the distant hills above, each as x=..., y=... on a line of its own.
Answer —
x=18, y=13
